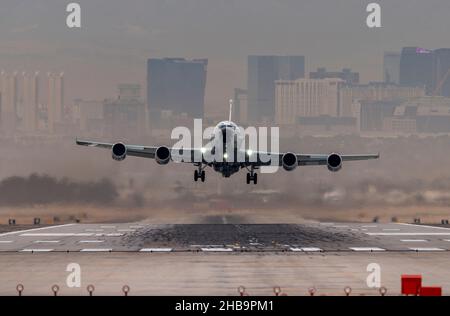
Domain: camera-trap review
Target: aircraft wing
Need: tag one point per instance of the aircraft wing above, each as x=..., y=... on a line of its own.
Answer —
x=311, y=160
x=143, y=151
x=132, y=150
x=261, y=158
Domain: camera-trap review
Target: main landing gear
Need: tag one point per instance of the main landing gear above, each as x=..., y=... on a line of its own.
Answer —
x=199, y=174
x=252, y=176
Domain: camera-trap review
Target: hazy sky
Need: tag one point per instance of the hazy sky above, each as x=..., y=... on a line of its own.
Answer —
x=118, y=36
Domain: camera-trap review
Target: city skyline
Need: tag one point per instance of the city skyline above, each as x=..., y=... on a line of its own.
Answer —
x=118, y=40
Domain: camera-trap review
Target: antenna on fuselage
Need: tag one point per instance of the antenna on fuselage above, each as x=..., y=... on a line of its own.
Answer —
x=231, y=110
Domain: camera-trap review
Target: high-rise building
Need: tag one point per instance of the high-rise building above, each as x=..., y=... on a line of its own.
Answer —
x=441, y=72
x=391, y=67
x=346, y=74
x=240, y=109
x=31, y=101
x=307, y=98
x=55, y=100
x=263, y=71
x=416, y=68
x=125, y=116
x=176, y=85
x=10, y=97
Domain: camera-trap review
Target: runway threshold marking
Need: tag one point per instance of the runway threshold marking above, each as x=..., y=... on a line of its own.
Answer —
x=34, y=229
x=370, y=249
x=155, y=250
x=96, y=250
x=36, y=250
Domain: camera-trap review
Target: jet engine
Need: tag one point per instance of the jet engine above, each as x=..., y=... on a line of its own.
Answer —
x=119, y=151
x=289, y=161
x=162, y=155
x=334, y=162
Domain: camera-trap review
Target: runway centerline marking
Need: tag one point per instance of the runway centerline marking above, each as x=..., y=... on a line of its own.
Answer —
x=46, y=241
x=90, y=241
x=6, y=241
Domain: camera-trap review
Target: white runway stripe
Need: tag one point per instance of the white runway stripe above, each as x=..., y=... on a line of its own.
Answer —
x=408, y=234
x=367, y=249
x=107, y=226
x=155, y=250
x=5, y=241
x=414, y=240
x=90, y=241
x=305, y=249
x=34, y=229
x=36, y=250
x=217, y=249
x=56, y=234
x=427, y=249
x=46, y=241
x=391, y=229
x=96, y=250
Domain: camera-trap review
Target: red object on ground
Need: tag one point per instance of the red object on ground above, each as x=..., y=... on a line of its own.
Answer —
x=411, y=284
x=431, y=291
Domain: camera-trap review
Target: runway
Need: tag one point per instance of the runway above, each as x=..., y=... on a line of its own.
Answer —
x=311, y=237
x=215, y=259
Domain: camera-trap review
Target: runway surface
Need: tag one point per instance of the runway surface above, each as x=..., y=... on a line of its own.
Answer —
x=215, y=259
x=311, y=237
